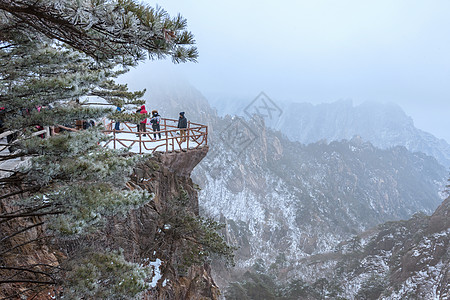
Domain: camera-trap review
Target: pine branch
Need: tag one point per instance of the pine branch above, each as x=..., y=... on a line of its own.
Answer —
x=26, y=281
x=116, y=35
x=26, y=212
x=25, y=270
x=32, y=189
x=11, y=156
x=55, y=212
x=22, y=244
x=20, y=231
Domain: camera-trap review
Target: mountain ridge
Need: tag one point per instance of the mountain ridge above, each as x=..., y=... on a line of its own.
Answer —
x=278, y=196
x=383, y=124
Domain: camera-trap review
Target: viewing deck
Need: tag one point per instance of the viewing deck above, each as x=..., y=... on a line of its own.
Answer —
x=138, y=142
x=145, y=142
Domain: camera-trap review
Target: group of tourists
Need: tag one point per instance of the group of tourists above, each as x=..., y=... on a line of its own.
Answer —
x=155, y=122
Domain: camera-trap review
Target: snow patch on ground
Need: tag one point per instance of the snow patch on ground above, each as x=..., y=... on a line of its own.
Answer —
x=156, y=271
x=156, y=266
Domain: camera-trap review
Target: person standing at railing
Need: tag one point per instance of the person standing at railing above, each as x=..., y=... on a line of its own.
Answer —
x=182, y=125
x=141, y=126
x=117, y=125
x=155, y=120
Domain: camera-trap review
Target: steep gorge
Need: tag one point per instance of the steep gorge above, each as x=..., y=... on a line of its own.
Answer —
x=284, y=202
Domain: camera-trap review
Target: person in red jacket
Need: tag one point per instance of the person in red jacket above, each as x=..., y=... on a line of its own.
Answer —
x=141, y=126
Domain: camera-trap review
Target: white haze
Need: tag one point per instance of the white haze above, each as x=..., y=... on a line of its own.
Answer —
x=321, y=51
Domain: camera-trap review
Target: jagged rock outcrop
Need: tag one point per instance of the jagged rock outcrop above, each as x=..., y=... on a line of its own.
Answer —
x=384, y=125
x=285, y=201
x=28, y=248
x=167, y=176
x=344, y=186
x=145, y=235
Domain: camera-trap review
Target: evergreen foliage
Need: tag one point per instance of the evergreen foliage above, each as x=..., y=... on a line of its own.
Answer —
x=36, y=72
x=54, y=54
x=90, y=275
x=119, y=30
x=195, y=238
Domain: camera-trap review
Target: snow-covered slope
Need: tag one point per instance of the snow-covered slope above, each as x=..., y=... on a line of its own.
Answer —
x=397, y=260
x=278, y=195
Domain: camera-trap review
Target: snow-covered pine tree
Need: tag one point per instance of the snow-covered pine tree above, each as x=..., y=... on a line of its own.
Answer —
x=52, y=55
x=105, y=29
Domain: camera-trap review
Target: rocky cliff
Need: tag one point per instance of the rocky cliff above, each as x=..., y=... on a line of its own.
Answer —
x=338, y=187
x=284, y=201
x=384, y=125
x=284, y=198
x=396, y=260
x=146, y=236
x=407, y=259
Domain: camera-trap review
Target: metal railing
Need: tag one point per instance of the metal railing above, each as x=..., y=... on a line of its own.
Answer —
x=196, y=136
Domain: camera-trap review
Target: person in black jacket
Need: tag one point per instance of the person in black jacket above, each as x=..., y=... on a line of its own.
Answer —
x=182, y=125
x=155, y=120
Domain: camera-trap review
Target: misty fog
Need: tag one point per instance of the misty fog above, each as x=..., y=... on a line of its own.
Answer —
x=319, y=51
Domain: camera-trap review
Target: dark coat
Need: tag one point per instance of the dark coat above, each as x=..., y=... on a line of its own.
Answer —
x=182, y=122
x=155, y=120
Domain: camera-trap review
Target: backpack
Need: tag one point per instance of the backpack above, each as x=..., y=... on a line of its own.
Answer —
x=155, y=120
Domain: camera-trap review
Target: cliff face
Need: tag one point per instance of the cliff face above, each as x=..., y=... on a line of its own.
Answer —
x=303, y=200
x=396, y=260
x=146, y=235
x=285, y=200
x=20, y=249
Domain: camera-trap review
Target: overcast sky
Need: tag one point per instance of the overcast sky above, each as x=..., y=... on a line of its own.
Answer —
x=322, y=51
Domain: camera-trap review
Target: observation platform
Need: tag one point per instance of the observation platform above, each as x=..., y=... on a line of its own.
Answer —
x=171, y=140
x=196, y=136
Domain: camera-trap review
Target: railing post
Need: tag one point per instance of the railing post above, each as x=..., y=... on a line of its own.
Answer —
x=140, y=142
x=173, y=140
x=114, y=139
x=167, y=139
x=188, y=134
x=198, y=132
x=47, y=131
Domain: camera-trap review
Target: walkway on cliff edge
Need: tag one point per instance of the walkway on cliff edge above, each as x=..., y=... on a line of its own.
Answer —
x=170, y=141
x=138, y=142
